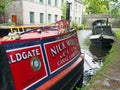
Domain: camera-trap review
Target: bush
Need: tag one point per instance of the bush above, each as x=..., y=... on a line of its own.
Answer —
x=80, y=27
x=6, y=24
x=76, y=25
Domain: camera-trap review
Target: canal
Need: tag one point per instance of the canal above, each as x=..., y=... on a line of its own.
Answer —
x=94, y=56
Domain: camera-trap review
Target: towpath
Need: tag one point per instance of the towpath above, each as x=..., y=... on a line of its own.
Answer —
x=108, y=78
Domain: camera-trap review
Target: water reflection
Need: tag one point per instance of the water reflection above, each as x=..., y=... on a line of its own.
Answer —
x=98, y=52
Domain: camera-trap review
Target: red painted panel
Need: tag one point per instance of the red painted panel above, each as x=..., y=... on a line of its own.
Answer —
x=61, y=52
x=47, y=85
x=21, y=63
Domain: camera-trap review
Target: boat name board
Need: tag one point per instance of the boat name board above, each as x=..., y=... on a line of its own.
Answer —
x=23, y=55
x=27, y=63
x=61, y=52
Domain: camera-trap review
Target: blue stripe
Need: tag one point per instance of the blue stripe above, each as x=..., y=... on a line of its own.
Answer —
x=52, y=75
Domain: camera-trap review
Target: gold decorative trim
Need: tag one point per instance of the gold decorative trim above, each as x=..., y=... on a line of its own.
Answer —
x=35, y=64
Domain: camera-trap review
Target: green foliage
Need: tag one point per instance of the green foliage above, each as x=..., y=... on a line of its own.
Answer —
x=80, y=27
x=118, y=33
x=76, y=25
x=6, y=24
x=97, y=6
x=3, y=3
x=84, y=20
x=102, y=7
x=115, y=13
x=73, y=25
x=63, y=10
x=115, y=8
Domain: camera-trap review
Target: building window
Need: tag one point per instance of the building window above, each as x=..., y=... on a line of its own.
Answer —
x=56, y=17
x=49, y=18
x=41, y=1
x=56, y=3
x=79, y=20
x=41, y=18
x=75, y=19
x=79, y=9
x=49, y=2
x=32, y=0
x=31, y=17
x=76, y=7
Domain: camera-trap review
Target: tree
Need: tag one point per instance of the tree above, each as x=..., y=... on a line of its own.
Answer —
x=3, y=3
x=115, y=8
x=97, y=6
x=63, y=10
x=111, y=7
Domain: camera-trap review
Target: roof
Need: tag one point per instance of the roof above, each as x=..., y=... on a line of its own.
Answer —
x=98, y=22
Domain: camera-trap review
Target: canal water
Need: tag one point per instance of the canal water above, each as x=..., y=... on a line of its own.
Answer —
x=94, y=57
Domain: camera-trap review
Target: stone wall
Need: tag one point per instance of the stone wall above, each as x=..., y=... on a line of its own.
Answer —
x=89, y=19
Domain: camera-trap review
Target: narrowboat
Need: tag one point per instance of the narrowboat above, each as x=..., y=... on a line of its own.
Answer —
x=102, y=34
x=40, y=58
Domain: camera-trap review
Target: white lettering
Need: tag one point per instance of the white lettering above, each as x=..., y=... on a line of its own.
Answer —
x=37, y=52
x=33, y=52
x=62, y=61
x=11, y=59
x=72, y=42
x=29, y=54
x=23, y=55
x=18, y=57
x=57, y=48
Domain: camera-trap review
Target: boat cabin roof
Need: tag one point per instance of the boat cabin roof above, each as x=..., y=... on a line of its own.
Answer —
x=29, y=32
x=103, y=29
x=99, y=22
x=12, y=33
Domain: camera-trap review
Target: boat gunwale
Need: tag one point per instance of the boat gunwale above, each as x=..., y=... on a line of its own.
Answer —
x=31, y=39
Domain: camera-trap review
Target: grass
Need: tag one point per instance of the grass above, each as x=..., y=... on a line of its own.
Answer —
x=87, y=42
x=110, y=62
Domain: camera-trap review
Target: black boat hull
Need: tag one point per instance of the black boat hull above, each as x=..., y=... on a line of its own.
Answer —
x=102, y=43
